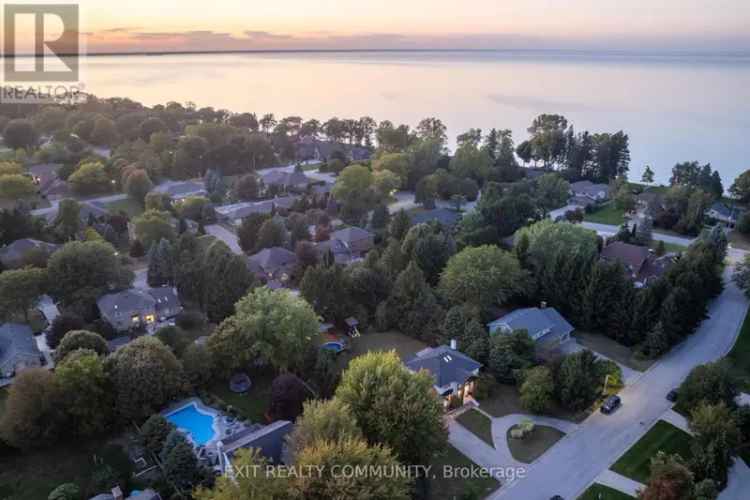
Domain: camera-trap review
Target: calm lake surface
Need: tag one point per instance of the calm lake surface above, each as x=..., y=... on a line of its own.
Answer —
x=674, y=108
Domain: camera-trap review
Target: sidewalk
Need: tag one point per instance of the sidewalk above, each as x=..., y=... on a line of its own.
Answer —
x=620, y=483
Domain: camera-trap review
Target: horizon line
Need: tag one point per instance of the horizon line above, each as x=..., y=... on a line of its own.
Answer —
x=642, y=52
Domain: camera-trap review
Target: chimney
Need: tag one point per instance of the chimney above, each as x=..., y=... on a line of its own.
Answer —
x=543, y=305
x=453, y=345
x=117, y=493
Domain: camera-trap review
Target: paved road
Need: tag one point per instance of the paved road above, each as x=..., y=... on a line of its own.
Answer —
x=573, y=463
x=227, y=236
x=606, y=229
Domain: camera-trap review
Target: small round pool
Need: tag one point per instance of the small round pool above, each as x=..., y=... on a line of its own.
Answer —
x=333, y=346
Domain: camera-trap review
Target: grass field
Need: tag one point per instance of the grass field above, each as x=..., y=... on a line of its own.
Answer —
x=663, y=436
x=478, y=424
x=607, y=214
x=253, y=404
x=533, y=446
x=443, y=487
x=600, y=492
x=740, y=355
x=131, y=207
x=611, y=349
x=505, y=400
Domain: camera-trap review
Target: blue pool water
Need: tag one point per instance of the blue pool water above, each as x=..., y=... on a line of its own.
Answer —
x=333, y=346
x=198, y=424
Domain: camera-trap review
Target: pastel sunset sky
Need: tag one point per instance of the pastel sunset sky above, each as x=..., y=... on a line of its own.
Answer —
x=199, y=25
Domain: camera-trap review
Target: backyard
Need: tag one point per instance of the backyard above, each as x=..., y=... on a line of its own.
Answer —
x=533, y=446
x=663, y=436
x=478, y=424
x=253, y=404
x=740, y=356
x=600, y=492
x=451, y=488
x=606, y=214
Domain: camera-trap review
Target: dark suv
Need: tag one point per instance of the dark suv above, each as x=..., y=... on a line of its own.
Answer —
x=611, y=404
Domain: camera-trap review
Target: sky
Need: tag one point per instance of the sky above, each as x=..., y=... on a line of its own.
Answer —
x=612, y=25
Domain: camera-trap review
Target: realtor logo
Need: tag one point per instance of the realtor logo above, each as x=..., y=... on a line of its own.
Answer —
x=54, y=59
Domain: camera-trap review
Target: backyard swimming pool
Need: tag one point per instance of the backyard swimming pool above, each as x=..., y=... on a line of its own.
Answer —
x=336, y=347
x=198, y=423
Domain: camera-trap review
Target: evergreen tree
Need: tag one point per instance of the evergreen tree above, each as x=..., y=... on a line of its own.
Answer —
x=412, y=306
x=188, y=277
x=399, y=226
x=226, y=279
x=380, y=217
x=181, y=465
x=161, y=264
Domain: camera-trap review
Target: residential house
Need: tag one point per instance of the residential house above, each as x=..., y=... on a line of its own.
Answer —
x=641, y=265
x=445, y=216
x=128, y=309
x=311, y=149
x=26, y=251
x=544, y=325
x=167, y=302
x=585, y=193
x=18, y=350
x=722, y=212
x=235, y=212
x=282, y=181
x=358, y=240
x=269, y=440
x=50, y=185
x=274, y=263
x=179, y=190
x=342, y=254
x=454, y=373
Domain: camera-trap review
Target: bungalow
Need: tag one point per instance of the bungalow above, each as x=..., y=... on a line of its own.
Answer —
x=235, y=212
x=286, y=181
x=358, y=240
x=26, y=251
x=446, y=217
x=723, y=213
x=179, y=190
x=641, y=265
x=128, y=309
x=544, y=325
x=587, y=192
x=274, y=263
x=18, y=350
x=454, y=373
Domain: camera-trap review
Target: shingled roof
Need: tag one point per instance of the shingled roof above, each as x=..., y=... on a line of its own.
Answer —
x=447, y=366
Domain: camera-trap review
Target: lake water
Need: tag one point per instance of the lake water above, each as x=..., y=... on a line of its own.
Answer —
x=673, y=108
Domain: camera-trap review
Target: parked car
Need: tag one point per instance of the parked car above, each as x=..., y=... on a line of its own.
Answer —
x=611, y=404
x=557, y=497
x=672, y=395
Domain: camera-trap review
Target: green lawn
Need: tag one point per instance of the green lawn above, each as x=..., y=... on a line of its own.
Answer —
x=478, y=424
x=612, y=349
x=253, y=404
x=739, y=240
x=600, y=492
x=32, y=475
x=668, y=247
x=405, y=346
x=663, y=436
x=607, y=214
x=505, y=400
x=451, y=488
x=533, y=446
x=740, y=355
x=131, y=207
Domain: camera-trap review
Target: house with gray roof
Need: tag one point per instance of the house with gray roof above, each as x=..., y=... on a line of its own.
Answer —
x=453, y=372
x=18, y=350
x=446, y=217
x=167, y=302
x=269, y=440
x=274, y=263
x=722, y=212
x=295, y=180
x=342, y=254
x=358, y=240
x=311, y=149
x=128, y=309
x=179, y=190
x=25, y=251
x=586, y=192
x=544, y=325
